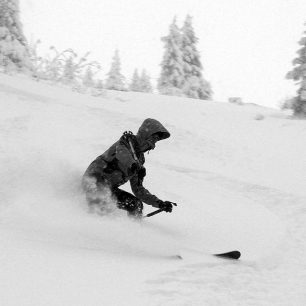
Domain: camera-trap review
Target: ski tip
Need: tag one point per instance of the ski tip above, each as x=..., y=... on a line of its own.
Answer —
x=229, y=255
x=176, y=256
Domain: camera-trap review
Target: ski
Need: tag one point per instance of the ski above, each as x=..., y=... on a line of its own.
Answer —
x=229, y=255
x=176, y=256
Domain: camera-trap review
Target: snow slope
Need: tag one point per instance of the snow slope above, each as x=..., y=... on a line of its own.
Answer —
x=239, y=182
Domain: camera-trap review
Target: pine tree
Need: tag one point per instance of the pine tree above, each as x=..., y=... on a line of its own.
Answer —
x=195, y=86
x=172, y=73
x=135, y=84
x=88, y=79
x=145, y=82
x=115, y=80
x=14, y=50
x=299, y=74
x=69, y=76
x=99, y=85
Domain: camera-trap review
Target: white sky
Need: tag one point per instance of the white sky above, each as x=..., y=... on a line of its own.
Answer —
x=246, y=46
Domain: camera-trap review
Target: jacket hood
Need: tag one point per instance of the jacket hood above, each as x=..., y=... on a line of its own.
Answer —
x=150, y=127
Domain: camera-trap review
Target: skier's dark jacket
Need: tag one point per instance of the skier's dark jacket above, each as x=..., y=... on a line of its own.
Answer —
x=117, y=165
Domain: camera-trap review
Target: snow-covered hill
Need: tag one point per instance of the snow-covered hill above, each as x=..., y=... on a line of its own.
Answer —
x=237, y=173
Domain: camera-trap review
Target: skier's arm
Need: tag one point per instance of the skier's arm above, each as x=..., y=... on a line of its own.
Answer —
x=142, y=193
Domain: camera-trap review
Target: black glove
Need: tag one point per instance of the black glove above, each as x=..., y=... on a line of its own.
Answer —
x=166, y=206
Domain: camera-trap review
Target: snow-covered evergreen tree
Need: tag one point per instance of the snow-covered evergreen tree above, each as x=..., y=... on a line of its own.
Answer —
x=135, y=84
x=14, y=51
x=195, y=86
x=145, y=82
x=115, y=79
x=172, y=71
x=299, y=74
x=99, y=85
x=88, y=78
x=69, y=76
x=141, y=83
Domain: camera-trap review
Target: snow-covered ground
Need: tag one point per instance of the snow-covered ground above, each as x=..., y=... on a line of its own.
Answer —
x=239, y=182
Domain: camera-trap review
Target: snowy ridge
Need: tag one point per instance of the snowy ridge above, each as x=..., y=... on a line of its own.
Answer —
x=239, y=183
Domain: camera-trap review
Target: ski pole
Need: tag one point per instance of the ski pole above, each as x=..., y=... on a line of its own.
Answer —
x=158, y=211
x=154, y=212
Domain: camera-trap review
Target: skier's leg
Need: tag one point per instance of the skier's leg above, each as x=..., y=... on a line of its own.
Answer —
x=128, y=202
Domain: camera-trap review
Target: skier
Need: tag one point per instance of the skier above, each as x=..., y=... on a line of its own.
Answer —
x=123, y=162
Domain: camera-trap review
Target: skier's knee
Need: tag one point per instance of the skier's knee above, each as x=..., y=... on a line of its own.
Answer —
x=135, y=209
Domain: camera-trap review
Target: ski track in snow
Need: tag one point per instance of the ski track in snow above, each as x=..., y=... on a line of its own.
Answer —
x=243, y=282
x=44, y=158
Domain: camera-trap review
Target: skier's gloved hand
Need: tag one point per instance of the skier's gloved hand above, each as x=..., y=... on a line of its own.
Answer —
x=166, y=206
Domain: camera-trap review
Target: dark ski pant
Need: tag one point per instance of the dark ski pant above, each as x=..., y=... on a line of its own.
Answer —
x=128, y=202
x=102, y=197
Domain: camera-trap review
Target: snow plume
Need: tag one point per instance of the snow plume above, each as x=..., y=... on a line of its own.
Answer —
x=100, y=200
x=45, y=202
x=39, y=177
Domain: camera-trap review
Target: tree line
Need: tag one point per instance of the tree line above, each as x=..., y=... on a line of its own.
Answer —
x=181, y=67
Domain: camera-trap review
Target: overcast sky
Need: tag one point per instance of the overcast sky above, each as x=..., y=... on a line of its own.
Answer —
x=246, y=46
